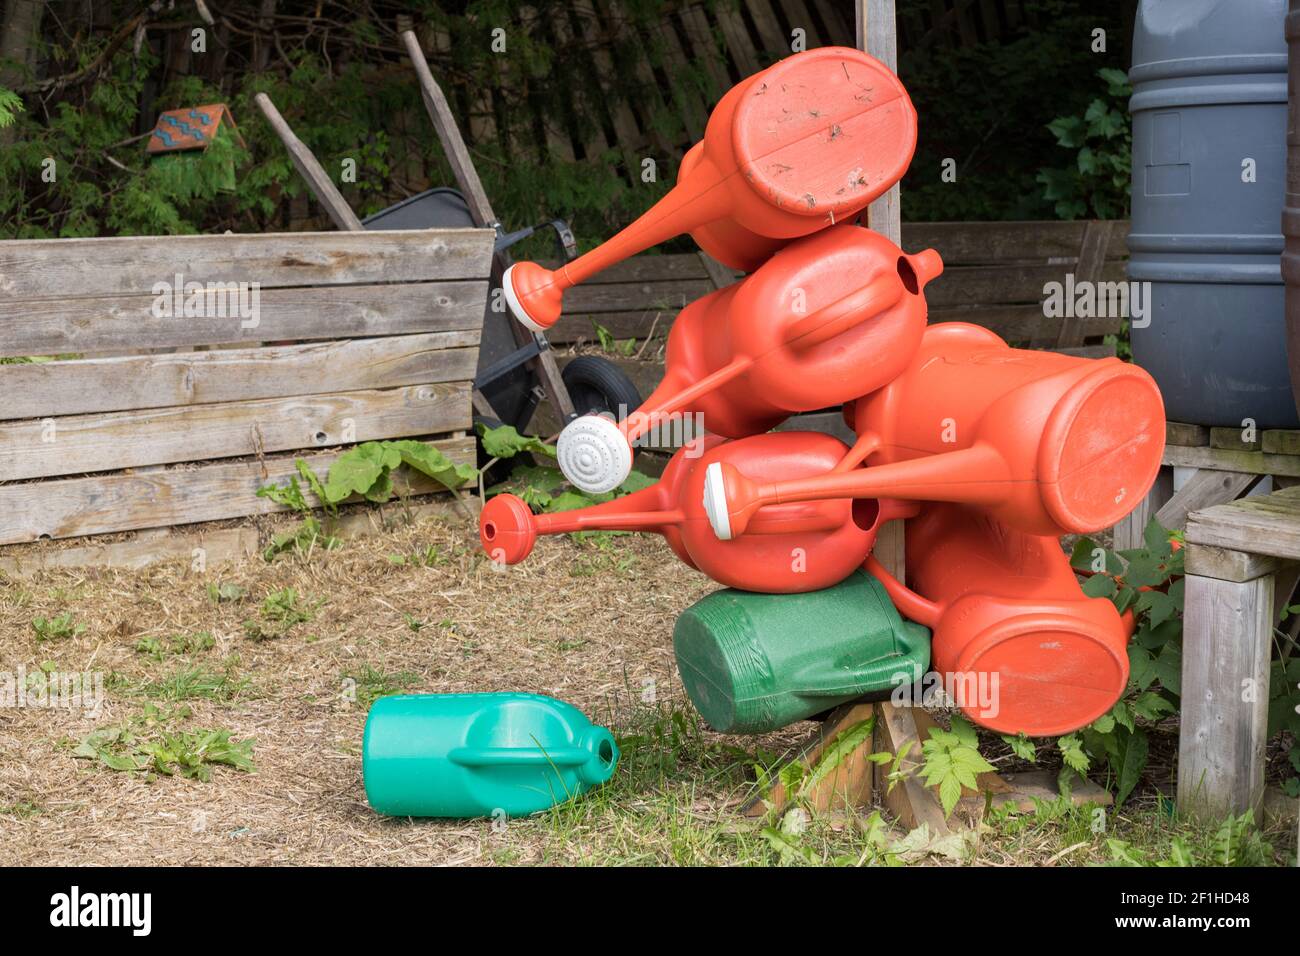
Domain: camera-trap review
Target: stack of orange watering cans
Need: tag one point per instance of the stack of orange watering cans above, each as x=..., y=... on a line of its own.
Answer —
x=990, y=453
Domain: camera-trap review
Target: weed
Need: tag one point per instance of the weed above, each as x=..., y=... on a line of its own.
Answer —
x=57, y=628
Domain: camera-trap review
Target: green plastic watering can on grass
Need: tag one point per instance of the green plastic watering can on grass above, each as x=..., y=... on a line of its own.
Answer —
x=752, y=663
x=474, y=755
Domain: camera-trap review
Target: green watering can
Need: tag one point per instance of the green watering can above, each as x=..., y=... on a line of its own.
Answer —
x=476, y=755
x=753, y=663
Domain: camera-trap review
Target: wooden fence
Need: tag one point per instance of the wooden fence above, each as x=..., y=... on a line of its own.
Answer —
x=145, y=419
x=683, y=62
x=994, y=275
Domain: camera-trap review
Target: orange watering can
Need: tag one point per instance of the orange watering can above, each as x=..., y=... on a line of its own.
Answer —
x=1020, y=647
x=789, y=548
x=828, y=318
x=1048, y=444
x=800, y=146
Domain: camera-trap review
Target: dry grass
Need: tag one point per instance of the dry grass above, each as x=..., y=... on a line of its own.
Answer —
x=418, y=608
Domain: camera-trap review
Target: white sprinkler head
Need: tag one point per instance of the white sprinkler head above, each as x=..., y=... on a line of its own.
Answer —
x=512, y=300
x=594, y=454
x=715, y=501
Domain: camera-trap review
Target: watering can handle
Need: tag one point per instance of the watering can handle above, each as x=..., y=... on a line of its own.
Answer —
x=844, y=313
x=909, y=603
x=519, y=756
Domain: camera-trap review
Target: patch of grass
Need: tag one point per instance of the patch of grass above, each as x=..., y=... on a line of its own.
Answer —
x=22, y=809
x=197, y=683
x=280, y=611
x=57, y=628
x=369, y=683
x=157, y=648
x=153, y=741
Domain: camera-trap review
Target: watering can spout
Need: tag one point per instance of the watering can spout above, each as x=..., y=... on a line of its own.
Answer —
x=926, y=265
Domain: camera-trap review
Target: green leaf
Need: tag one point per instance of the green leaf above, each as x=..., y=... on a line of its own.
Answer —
x=505, y=441
x=1022, y=747
x=1133, y=749
x=1156, y=537
x=1099, y=585
x=429, y=461
x=1073, y=754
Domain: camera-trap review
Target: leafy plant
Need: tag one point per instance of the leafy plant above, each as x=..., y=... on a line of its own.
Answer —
x=11, y=104
x=280, y=612
x=1237, y=842
x=610, y=344
x=157, y=648
x=1098, y=182
x=953, y=761
x=56, y=628
x=152, y=741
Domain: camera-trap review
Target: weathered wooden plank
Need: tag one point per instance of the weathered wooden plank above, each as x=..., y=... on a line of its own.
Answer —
x=646, y=268
x=693, y=110
x=1266, y=524
x=1016, y=323
x=64, y=269
x=776, y=43
x=70, y=507
x=91, y=443
x=1232, y=440
x=215, y=546
x=975, y=243
x=1090, y=268
x=1179, y=433
x=1128, y=533
x=309, y=168
x=1226, y=565
x=619, y=297
x=1251, y=462
x=1281, y=441
x=128, y=323
x=1203, y=490
x=48, y=389
x=737, y=38
x=705, y=49
x=1022, y=283
x=1227, y=641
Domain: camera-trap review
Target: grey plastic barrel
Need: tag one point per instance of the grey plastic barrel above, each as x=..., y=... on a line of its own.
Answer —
x=1209, y=157
x=1291, y=214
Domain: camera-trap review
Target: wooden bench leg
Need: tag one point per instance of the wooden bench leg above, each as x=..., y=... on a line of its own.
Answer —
x=1227, y=640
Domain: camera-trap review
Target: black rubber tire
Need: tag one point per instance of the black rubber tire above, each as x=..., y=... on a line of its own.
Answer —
x=598, y=385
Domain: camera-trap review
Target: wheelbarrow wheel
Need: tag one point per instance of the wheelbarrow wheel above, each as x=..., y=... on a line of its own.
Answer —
x=597, y=385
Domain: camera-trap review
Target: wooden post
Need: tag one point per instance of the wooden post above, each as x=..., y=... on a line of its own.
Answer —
x=1227, y=640
x=462, y=167
x=337, y=207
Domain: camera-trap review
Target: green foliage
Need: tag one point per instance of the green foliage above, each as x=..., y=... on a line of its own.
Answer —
x=281, y=610
x=504, y=441
x=986, y=106
x=152, y=741
x=608, y=343
x=57, y=628
x=365, y=471
x=11, y=104
x=369, y=684
x=1148, y=581
x=1237, y=842
x=953, y=761
x=156, y=648
x=1098, y=182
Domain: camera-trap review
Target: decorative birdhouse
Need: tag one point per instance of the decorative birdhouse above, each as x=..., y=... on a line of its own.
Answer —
x=183, y=136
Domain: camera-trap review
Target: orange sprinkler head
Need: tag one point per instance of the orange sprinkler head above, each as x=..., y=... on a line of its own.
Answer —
x=1016, y=641
x=790, y=548
x=800, y=146
x=1049, y=444
x=828, y=318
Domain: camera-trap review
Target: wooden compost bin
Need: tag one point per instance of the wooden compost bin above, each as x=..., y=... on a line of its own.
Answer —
x=145, y=420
